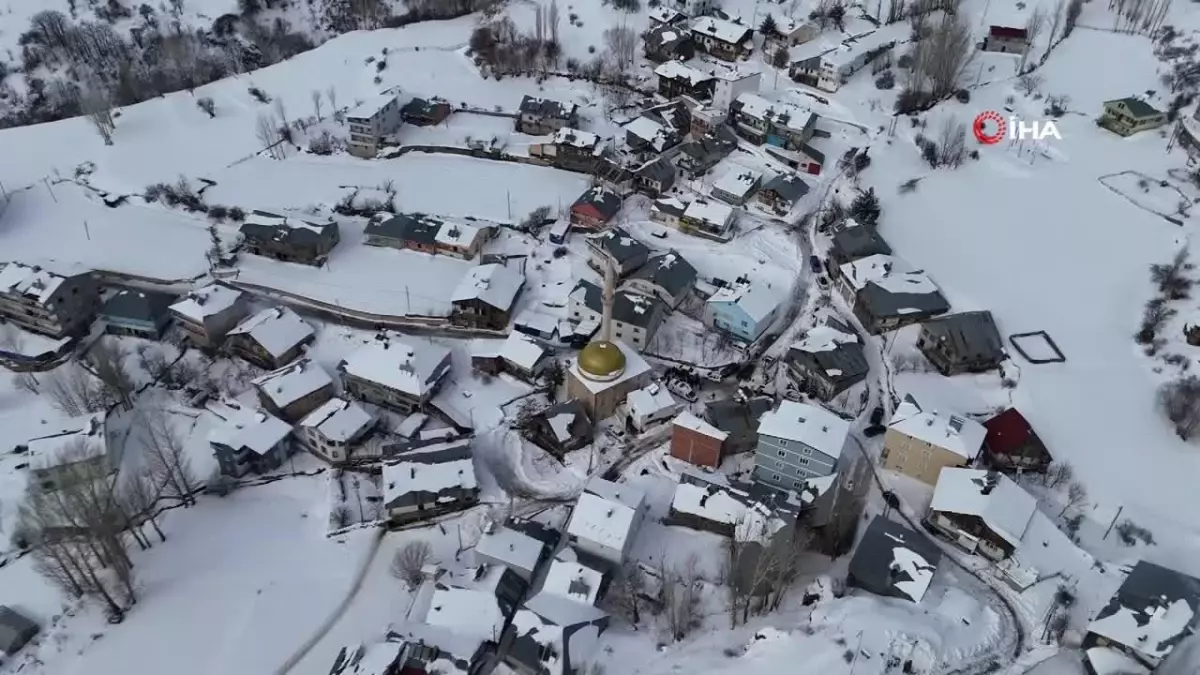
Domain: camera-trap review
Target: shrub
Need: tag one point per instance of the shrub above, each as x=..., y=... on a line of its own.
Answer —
x=912, y=100
x=886, y=80
x=218, y=213
x=236, y=214
x=206, y=104
x=259, y=95
x=909, y=185
x=963, y=96
x=1131, y=533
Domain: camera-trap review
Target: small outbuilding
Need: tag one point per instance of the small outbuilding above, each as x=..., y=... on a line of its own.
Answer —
x=16, y=630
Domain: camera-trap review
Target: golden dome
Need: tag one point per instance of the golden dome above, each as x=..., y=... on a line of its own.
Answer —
x=601, y=360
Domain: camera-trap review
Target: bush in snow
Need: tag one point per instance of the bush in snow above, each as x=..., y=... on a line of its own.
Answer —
x=909, y=185
x=259, y=95
x=912, y=100
x=929, y=150
x=1171, y=278
x=1154, y=315
x=1179, y=401
x=1131, y=533
x=1056, y=106
x=963, y=96
x=865, y=208
x=236, y=214
x=536, y=218
x=206, y=104
x=886, y=80
x=1029, y=83
x=630, y=6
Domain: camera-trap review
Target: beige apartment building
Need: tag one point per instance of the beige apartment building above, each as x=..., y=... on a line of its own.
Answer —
x=370, y=122
x=920, y=443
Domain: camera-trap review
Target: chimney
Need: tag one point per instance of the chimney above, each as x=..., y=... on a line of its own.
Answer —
x=412, y=473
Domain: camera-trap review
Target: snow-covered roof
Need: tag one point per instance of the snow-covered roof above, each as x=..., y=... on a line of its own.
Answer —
x=260, y=223
x=276, y=329
x=469, y=612
x=664, y=14
x=246, y=427
x=457, y=234
x=1152, y=611
x=959, y=435
x=787, y=115
x=572, y=580
x=720, y=29
x=430, y=473
x=76, y=439
x=618, y=493
x=889, y=273
x=1000, y=503
x=893, y=560
x=522, y=351
x=338, y=419
x=786, y=25
x=370, y=106
x=725, y=506
x=401, y=363
x=738, y=181
x=367, y=659
x=1108, y=661
x=823, y=338
x=687, y=420
x=811, y=425
x=677, y=70
x=855, y=47
x=635, y=366
x=757, y=299
x=293, y=382
x=650, y=131
x=709, y=211
x=920, y=573
x=493, y=284
x=650, y=400
x=598, y=520
x=511, y=547
x=540, y=321
x=205, y=302
x=29, y=281
x=575, y=138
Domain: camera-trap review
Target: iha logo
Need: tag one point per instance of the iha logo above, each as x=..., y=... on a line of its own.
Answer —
x=990, y=128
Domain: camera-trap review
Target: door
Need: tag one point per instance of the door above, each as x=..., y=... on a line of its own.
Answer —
x=813, y=168
x=777, y=141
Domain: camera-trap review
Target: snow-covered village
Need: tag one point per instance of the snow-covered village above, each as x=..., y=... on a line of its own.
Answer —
x=574, y=337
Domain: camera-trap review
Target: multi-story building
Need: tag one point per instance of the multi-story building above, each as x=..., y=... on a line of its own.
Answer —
x=45, y=302
x=207, y=314
x=396, y=372
x=636, y=317
x=921, y=443
x=721, y=38
x=273, y=236
x=426, y=234
x=797, y=441
x=370, y=122
x=143, y=314
x=541, y=116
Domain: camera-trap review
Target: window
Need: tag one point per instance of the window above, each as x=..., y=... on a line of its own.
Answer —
x=782, y=453
x=745, y=323
x=797, y=483
x=802, y=462
x=778, y=465
x=774, y=476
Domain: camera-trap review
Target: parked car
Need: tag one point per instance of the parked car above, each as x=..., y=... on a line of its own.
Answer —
x=823, y=281
x=661, y=234
x=815, y=263
x=877, y=416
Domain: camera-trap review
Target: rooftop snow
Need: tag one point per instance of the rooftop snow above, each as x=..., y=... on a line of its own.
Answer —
x=1153, y=610
x=277, y=329
x=83, y=435
x=709, y=211
x=824, y=338
x=493, y=284
x=511, y=547
x=401, y=363
x=522, y=351
x=1006, y=508
x=338, y=420
x=725, y=31
x=598, y=520
x=469, y=612
x=293, y=382
x=649, y=131
x=33, y=282
x=723, y=505
x=788, y=115
x=876, y=267
x=246, y=427
x=420, y=472
x=811, y=425
x=576, y=138
x=371, y=106
x=1108, y=661
x=855, y=47
x=571, y=580
x=457, y=234
x=757, y=299
x=687, y=420
x=676, y=70
x=649, y=401
x=205, y=302
x=959, y=435
x=738, y=181
x=635, y=366
x=618, y=493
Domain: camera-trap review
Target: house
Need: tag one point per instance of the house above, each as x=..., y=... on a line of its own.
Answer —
x=595, y=207
x=1006, y=40
x=542, y=116
x=654, y=177
x=649, y=137
x=783, y=192
x=782, y=125
x=636, y=317
x=803, y=157
x=667, y=276
x=732, y=82
x=967, y=342
x=736, y=185
x=541, y=646
x=428, y=482
x=457, y=630
x=523, y=357
x=611, y=174
x=744, y=311
x=248, y=440
x=666, y=16
x=384, y=657
x=829, y=67
x=295, y=390
x=649, y=406
x=697, y=442
x=676, y=78
x=605, y=519
x=828, y=360
x=886, y=296
x=1011, y=444
x=143, y=314
x=798, y=441
x=370, y=121
x=332, y=430
x=738, y=419
x=1128, y=116
x=981, y=511
x=1154, y=610
x=397, y=372
x=515, y=550
x=535, y=323
x=604, y=373
x=893, y=561
x=78, y=448
x=856, y=242
x=45, y=302
x=570, y=149
x=723, y=39
x=567, y=581
x=710, y=503
x=707, y=218
x=288, y=239
x=920, y=443
x=697, y=7
x=668, y=211
x=271, y=338
x=16, y=630
x=789, y=32
x=486, y=296
x=561, y=428
x=426, y=234
x=698, y=157
x=617, y=248
x=668, y=42
x=422, y=112
x=208, y=313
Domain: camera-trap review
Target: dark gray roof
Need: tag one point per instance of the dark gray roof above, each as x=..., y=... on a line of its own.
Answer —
x=736, y=417
x=1138, y=107
x=847, y=359
x=621, y=245
x=1150, y=588
x=872, y=564
x=788, y=186
x=972, y=334
x=659, y=169
x=138, y=305
x=712, y=146
x=416, y=227
x=547, y=108
x=632, y=308
x=810, y=150
x=607, y=202
x=670, y=271
x=580, y=425
x=286, y=229
x=857, y=242
x=454, y=451
x=880, y=302
x=673, y=207
x=419, y=107
x=15, y=630
x=674, y=114
x=665, y=36
x=527, y=642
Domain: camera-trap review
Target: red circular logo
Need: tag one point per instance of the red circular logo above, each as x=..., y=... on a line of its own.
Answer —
x=989, y=127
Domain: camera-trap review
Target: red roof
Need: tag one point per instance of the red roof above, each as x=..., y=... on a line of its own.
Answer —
x=1006, y=32
x=1007, y=432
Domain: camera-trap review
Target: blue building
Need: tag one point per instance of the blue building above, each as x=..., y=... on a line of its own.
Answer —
x=743, y=311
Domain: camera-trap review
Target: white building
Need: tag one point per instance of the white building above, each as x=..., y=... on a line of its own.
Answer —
x=515, y=550
x=399, y=372
x=650, y=406
x=829, y=67
x=523, y=356
x=606, y=518
x=331, y=430
x=295, y=390
x=708, y=217
x=370, y=121
x=736, y=185
x=982, y=511
x=732, y=83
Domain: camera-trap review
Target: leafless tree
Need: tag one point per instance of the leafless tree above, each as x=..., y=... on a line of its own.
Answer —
x=1076, y=494
x=138, y=495
x=1056, y=20
x=331, y=96
x=941, y=58
x=552, y=18
x=27, y=382
x=625, y=591
x=166, y=457
x=107, y=361
x=681, y=597
x=316, y=101
x=1033, y=30
x=1074, y=9
x=268, y=135
x=1058, y=473
x=622, y=46
x=74, y=391
x=1029, y=83
x=1180, y=402
x=409, y=562
x=10, y=337
x=952, y=142
x=97, y=105
x=281, y=113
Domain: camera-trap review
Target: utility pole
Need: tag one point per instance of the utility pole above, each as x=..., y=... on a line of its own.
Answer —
x=46, y=180
x=87, y=231
x=1114, y=522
